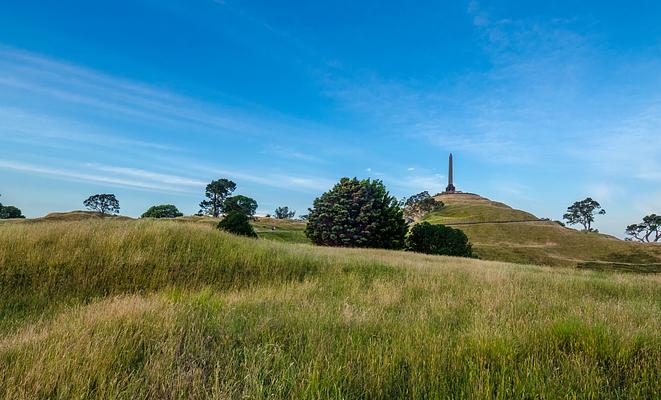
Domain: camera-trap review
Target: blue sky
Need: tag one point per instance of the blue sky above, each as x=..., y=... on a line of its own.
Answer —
x=542, y=103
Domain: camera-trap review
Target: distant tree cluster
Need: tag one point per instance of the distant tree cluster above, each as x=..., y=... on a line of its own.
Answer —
x=8, y=212
x=583, y=213
x=284, y=213
x=420, y=204
x=648, y=231
x=357, y=213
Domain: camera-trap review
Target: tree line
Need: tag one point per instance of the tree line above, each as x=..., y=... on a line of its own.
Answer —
x=355, y=213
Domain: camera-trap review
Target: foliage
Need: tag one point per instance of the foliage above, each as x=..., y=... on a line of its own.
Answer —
x=162, y=211
x=7, y=212
x=420, y=204
x=242, y=204
x=237, y=223
x=583, y=212
x=438, y=239
x=284, y=213
x=647, y=231
x=357, y=213
x=106, y=204
x=216, y=192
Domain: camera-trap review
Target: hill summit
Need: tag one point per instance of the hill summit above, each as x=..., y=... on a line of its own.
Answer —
x=500, y=232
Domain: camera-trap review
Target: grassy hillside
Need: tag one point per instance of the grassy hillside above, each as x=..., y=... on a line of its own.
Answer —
x=541, y=242
x=176, y=309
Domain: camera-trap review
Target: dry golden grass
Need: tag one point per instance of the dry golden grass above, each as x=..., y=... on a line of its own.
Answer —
x=163, y=309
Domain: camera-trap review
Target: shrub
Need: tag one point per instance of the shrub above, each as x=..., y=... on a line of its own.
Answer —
x=439, y=239
x=162, y=211
x=237, y=223
x=357, y=213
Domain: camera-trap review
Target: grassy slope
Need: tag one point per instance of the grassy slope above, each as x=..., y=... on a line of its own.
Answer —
x=543, y=242
x=165, y=309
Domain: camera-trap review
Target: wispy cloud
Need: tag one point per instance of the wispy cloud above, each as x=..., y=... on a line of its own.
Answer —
x=77, y=175
x=292, y=154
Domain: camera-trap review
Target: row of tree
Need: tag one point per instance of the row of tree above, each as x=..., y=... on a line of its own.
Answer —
x=583, y=213
x=357, y=213
x=218, y=202
x=361, y=213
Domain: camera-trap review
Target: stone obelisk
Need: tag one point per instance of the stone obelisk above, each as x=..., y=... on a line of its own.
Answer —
x=450, y=188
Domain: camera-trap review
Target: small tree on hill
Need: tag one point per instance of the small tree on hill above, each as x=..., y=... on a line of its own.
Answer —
x=438, y=239
x=106, y=204
x=583, y=212
x=357, y=213
x=284, y=213
x=216, y=193
x=162, y=211
x=648, y=231
x=243, y=204
x=237, y=223
x=420, y=204
x=8, y=212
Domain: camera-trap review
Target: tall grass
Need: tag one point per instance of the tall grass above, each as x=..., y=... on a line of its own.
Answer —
x=172, y=310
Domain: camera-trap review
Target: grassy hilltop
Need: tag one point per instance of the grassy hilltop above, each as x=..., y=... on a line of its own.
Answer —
x=130, y=309
x=538, y=242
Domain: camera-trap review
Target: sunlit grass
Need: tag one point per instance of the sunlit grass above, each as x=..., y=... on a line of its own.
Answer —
x=162, y=309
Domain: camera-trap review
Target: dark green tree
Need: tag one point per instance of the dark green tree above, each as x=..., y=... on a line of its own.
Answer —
x=420, y=204
x=7, y=212
x=648, y=231
x=237, y=223
x=162, y=211
x=284, y=213
x=438, y=239
x=357, y=213
x=240, y=203
x=583, y=212
x=106, y=204
x=216, y=193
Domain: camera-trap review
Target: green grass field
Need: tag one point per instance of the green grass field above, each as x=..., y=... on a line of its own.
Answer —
x=107, y=308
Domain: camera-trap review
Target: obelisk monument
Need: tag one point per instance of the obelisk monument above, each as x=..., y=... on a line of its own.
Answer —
x=450, y=188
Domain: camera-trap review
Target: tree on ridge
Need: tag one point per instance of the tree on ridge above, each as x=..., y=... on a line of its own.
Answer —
x=583, y=213
x=106, y=204
x=216, y=192
x=648, y=231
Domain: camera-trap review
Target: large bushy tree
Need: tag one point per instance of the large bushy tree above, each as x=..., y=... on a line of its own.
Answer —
x=583, y=213
x=162, y=211
x=438, y=239
x=106, y=204
x=216, y=192
x=243, y=204
x=420, y=204
x=237, y=223
x=357, y=213
x=648, y=231
x=284, y=213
